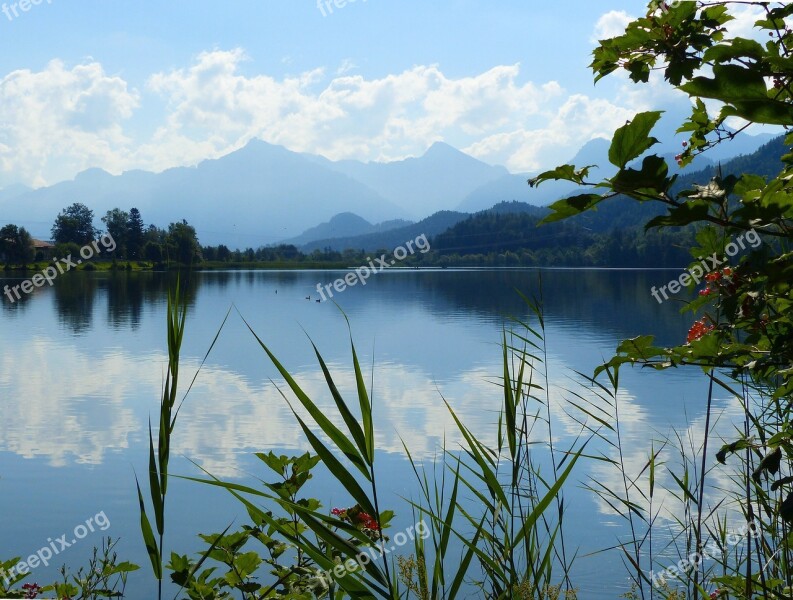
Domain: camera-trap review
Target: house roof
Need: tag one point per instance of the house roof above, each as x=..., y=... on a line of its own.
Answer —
x=39, y=244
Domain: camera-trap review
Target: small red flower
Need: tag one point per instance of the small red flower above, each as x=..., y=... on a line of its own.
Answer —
x=367, y=521
x=727, y=272
x=713, y=276
x=705, y=292
x=355, y=516
x=32, y=590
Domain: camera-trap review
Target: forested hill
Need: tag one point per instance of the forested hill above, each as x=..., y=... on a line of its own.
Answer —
x=623, y=213
x=508, y=235
x=612, y=235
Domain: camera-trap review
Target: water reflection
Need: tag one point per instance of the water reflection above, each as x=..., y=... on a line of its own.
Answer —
x=63, y=404
x=618, y=301
x=82, y=366
x=74, y=399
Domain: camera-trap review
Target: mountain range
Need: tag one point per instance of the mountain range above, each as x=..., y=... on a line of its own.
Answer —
x=263, y=194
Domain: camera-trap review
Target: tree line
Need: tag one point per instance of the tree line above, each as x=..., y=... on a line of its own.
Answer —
x=74, y=228
x=505, y=236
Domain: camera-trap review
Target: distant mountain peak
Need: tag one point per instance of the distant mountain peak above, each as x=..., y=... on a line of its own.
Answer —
x=93, y=174
x=441, y=148
x=348, y=217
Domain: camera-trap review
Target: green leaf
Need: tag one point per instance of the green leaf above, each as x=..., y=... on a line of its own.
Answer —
x=732, y=448
x=148, y=536
x=547, y=498
x=337, y=469
x=786, y=509
x=562, y=173
x=366, y=406
x=569, y=207
x=737, y=48
x=769, y=111
x=333, y=432
x=154, y=487
x=730, y=83
x=183, y=562
x=633, y=139
x=509, y=399
x=679, y=216
x=650, y=180
x=349, y=419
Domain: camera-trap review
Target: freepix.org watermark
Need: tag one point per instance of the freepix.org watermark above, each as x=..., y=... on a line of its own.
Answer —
x=361, y=274
x=62, y=265
x=54, y=547
x=693, y=560
x=697, y=273
x=326, y=6
x=374, y=553
x=12, y=10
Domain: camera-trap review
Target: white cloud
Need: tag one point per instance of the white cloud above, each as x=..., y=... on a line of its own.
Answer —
x=743, y=24
x=572, y=124
x=610, y=25
x=60, y=120
x=347, y=116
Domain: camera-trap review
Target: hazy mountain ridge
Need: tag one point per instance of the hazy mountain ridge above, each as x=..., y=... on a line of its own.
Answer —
x=345, y=225
x=263, y=194
x=432, y=225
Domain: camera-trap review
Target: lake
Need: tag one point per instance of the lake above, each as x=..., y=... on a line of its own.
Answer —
x=82, y=365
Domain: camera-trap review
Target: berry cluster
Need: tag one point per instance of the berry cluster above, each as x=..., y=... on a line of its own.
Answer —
x=679, y=157
x=722, y=279
x=698, y=329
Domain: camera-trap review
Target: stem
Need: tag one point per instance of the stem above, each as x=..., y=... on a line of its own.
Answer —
x=568, y=583
x=379, y=524
x=701, y=499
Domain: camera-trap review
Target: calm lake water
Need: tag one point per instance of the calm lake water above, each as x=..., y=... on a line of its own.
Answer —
x=82, y=364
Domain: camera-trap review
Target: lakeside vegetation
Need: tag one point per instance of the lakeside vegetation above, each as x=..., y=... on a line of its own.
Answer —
x=506, y=236
x=491, y=498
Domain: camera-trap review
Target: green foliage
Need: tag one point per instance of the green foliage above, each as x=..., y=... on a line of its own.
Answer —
x=16, y=246
x=182, y=243
x=103, y=577
x=75, y=224
x=744, y=342
x=633, y=139
x=117, y=223
x=135, y=233
x=159, y=455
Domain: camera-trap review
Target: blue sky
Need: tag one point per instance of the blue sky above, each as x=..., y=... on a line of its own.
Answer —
x=152, y=85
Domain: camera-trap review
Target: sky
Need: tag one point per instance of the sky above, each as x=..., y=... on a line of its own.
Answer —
x=123, y=84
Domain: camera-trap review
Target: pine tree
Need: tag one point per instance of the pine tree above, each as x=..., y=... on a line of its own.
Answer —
x=135, y=235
